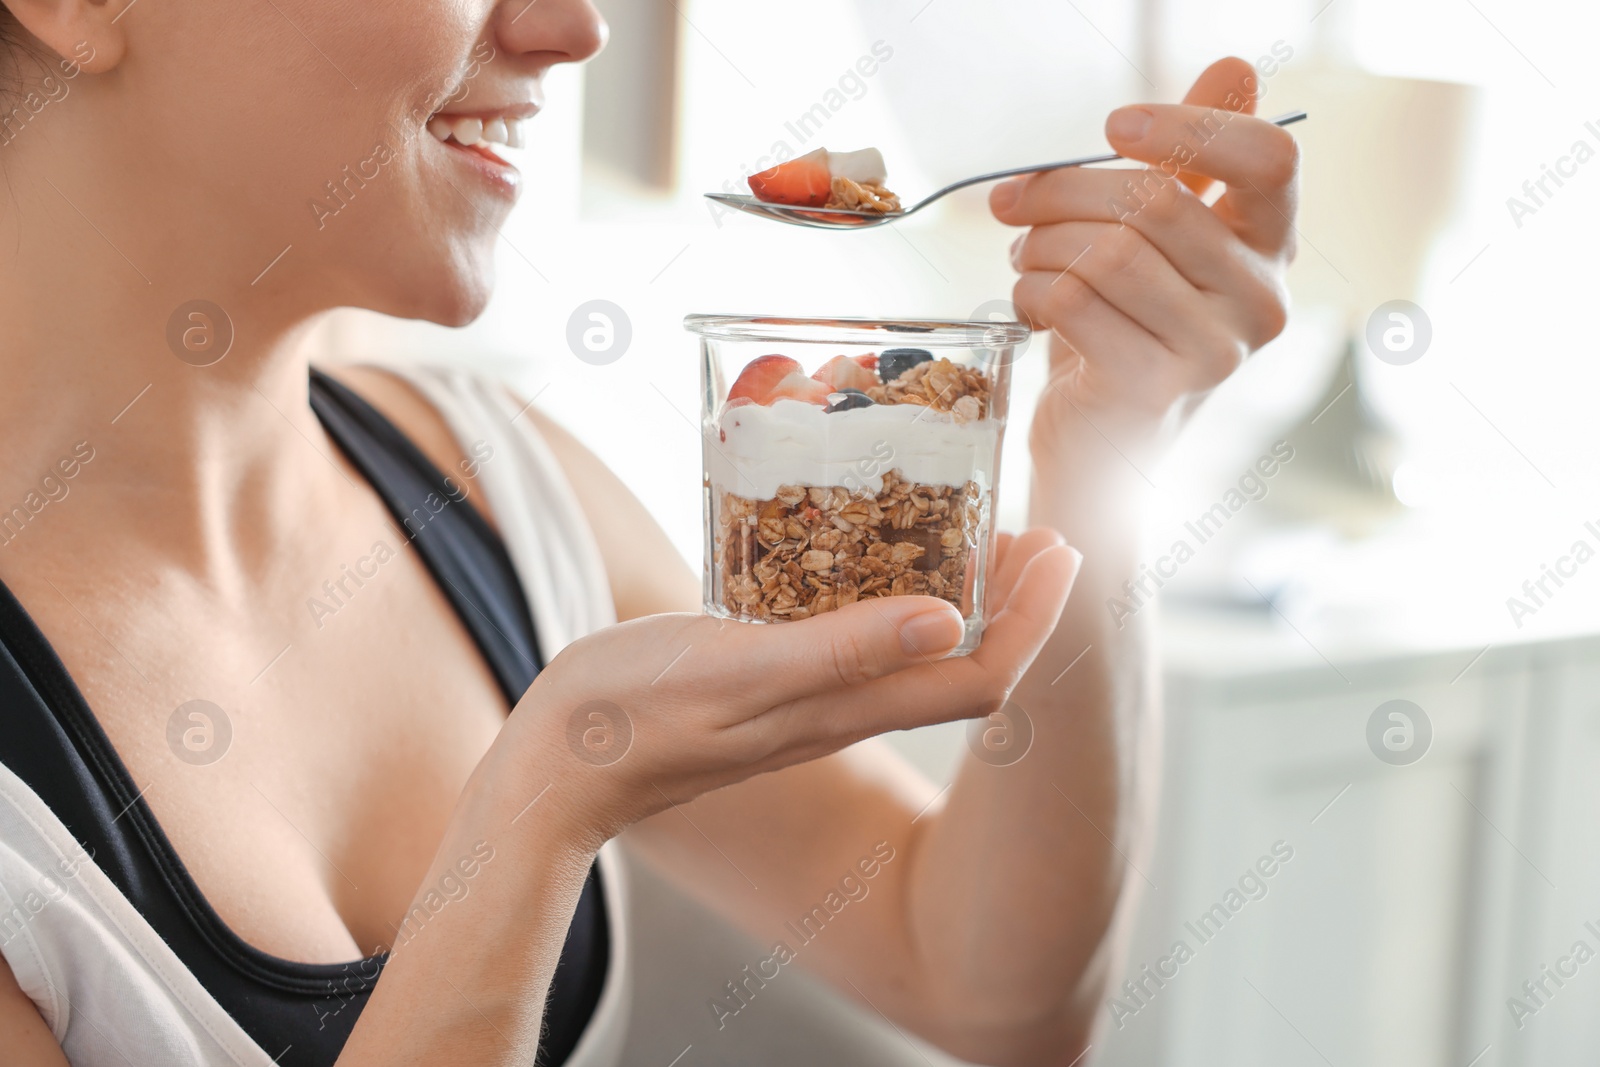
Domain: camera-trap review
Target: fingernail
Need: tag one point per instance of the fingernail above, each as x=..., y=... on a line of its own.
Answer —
x=932, y=631
x=1016, y=248
x=1129, y=123
x=1005, y=195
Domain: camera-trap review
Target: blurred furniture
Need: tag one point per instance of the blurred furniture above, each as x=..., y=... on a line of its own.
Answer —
x=630, y=99
x=1381, y=166
x=1380, y=179
x=1419, y=898
x=685, y=956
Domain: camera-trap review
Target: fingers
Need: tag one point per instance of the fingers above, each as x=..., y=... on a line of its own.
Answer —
x=1198, y=243
x=1228, y=83
x=1192, y=238
x=1002, y=547
x=1212, y=135
x=1088, y=323
x=1255, y=159
x=949, y=689
x=838, y=649
x=1009, y=563
x=1150, y=133
x=1029, y=617
x=1122, y=265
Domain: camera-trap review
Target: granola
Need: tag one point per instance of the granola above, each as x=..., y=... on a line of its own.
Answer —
x=941, y=385
x=862, y=196
x=812, y=550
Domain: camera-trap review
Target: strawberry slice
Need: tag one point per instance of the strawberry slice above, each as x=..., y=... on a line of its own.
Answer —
x=803, y=182
x=760, y=377
x=846, y=372
x=767, y=378
x=798, y=387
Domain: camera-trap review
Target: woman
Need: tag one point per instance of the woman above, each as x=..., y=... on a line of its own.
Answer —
x=345, y=587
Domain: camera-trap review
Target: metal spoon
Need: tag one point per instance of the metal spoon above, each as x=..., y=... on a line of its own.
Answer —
x=831, y=218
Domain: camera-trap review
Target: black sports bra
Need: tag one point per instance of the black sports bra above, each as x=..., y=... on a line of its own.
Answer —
x=300, y=1013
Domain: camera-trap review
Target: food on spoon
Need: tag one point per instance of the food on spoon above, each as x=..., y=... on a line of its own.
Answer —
x=851, y=181
x=858, y=182
x=803, y=182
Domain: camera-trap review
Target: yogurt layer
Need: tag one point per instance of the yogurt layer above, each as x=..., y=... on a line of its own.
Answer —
x=790, y=442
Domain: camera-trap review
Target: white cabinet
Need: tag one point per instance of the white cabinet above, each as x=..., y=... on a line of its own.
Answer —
x=1419, y=897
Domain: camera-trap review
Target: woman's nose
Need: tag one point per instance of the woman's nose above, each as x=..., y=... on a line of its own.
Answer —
x=570, y=30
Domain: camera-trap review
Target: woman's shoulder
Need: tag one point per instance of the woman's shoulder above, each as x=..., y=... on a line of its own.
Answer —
x=645, y=571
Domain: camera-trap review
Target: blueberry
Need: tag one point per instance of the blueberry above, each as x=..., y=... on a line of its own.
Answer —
x=893, y=362
x=847, y=399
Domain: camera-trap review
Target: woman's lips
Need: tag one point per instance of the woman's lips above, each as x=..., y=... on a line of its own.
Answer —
x=480, y=149
x=496, y=172
x=471, y=137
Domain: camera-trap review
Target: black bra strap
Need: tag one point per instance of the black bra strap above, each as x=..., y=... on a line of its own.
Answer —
x=470, y=569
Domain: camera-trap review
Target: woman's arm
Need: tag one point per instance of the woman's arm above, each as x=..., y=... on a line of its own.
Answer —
x=470, y=986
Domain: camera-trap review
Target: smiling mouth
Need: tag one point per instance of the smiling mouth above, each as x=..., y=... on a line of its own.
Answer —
x=476, y=134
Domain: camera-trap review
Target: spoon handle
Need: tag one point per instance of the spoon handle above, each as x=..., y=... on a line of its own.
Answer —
x=1282, y=120
x=1037, y=168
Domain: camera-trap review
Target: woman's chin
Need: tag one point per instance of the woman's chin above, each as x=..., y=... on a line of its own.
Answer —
x=446, y=298
x=462, y=312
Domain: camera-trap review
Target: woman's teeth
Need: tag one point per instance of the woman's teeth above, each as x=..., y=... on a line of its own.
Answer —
x=471, y=131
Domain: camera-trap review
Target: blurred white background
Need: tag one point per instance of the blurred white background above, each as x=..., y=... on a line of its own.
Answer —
x=1415, y=919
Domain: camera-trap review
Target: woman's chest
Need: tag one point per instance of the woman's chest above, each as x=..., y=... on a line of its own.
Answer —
x=303, y=757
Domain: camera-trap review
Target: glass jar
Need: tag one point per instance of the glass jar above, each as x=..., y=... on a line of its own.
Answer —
x=847, y=459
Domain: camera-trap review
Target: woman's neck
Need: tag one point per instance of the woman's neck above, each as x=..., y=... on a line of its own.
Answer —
x=208, y=465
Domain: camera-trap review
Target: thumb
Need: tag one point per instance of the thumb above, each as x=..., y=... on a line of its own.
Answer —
x=1229, y=83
